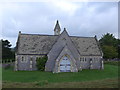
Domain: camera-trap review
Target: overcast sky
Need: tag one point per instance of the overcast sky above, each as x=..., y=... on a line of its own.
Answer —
x=79, y=18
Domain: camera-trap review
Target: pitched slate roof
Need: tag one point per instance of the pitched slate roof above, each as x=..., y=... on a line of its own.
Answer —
x=62, y=41
x=35, y=43
x=66, y=52
x=42, y=44
x=87, y=45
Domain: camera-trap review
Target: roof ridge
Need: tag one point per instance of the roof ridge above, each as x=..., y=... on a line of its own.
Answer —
x=37, y=34
x=54, y=35
x=81, y=37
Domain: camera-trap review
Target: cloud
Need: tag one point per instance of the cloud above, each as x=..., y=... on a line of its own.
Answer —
x=89, y=21
x=80, y=18
x=65, y=6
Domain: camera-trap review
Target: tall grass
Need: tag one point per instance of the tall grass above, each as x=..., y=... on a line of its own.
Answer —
x=110, y=71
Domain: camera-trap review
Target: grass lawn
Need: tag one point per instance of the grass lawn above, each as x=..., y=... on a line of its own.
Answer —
x=105, y=83
x=106, y=78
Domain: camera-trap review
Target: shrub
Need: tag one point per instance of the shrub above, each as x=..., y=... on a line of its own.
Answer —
x=112, y=62
x=40, y=63
x=6, y=66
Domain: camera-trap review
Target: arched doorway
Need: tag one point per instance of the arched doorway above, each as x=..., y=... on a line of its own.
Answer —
x=65, y=64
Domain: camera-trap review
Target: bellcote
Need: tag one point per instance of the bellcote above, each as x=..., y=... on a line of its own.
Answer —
x=57, y=28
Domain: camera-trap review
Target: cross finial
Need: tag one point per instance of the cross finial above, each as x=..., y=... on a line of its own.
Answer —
x=65, y=29
x=19, y=31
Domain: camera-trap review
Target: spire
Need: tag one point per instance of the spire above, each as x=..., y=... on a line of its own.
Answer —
x=57, y=28
x=57, y=22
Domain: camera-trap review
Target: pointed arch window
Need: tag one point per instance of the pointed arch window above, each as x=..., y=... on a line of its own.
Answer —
x=22, y=59
x=31, y=60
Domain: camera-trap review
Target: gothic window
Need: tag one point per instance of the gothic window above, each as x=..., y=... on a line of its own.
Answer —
x=22, y=60
x=31, y=59
x=31, y=62
x=84, y=59
x=91, y=60
x=80, y=59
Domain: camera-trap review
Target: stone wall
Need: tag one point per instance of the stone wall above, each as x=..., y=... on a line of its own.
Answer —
x=91, y=62
x=26, y=62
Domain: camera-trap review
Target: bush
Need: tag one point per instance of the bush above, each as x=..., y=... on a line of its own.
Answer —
x=7, y=66
x=116, y=63
x=41, y=63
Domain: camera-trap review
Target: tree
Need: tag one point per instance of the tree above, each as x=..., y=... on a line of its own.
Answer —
x=109, y=52
x=41, y=63
x=118, y=48
x=108, y=39
x=109, y=45
x=6, y=50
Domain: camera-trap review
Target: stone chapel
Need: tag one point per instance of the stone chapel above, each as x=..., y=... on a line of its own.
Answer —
x=65, y=53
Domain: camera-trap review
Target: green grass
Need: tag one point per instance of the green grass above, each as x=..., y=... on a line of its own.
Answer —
x=110, y=71
x=107, y=78
x=105, y=83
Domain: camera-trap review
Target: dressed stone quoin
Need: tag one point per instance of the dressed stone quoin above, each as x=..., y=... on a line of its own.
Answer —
x=65, y=53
